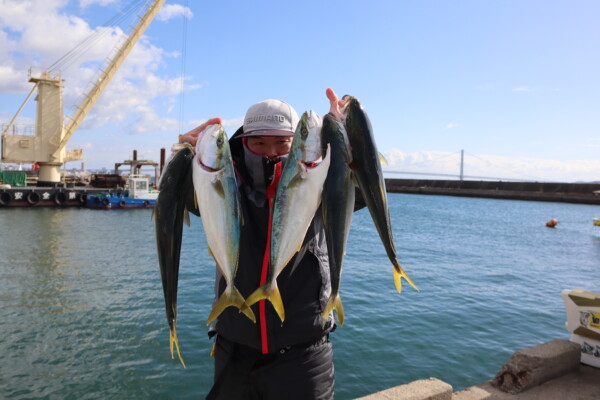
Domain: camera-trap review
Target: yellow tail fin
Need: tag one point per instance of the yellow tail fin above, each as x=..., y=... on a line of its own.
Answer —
x=273, y=295
x=173, y=341
x=334, y=303
x=398, y=275
x=234, y=298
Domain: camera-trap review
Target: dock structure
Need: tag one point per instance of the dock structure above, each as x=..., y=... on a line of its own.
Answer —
x=582, y=193
x=550, y=371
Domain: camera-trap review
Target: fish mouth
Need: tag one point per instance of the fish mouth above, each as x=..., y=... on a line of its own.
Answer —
x=312, y=164
x=207, y=168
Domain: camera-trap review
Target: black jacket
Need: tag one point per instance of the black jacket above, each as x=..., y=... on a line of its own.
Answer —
x=304, y=283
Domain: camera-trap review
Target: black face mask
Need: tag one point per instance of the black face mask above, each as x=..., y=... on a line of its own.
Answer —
x=261, y=169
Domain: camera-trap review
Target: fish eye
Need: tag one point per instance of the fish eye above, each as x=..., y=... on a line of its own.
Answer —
x=304, y=132
x=219, y=142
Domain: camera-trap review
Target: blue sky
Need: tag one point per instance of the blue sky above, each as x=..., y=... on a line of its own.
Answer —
x=513, y=83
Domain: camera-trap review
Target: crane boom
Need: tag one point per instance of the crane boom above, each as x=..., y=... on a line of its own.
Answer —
x=99, y=86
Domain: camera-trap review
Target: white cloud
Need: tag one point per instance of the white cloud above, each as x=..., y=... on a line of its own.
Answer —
x=40, y=32
x=443, y=165
x=451, y=125
x=525, y=89
x=171, y=11
x=87, y=3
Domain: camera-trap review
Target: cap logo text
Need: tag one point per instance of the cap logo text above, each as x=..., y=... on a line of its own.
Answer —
x=258, y=118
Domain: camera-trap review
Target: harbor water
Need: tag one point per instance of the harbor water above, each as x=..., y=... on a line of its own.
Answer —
x=82, y=311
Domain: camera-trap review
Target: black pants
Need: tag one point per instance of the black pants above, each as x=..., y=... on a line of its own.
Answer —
x=299, y=372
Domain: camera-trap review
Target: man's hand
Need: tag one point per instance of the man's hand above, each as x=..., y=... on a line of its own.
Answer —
x=335, y=104
x=191, y=137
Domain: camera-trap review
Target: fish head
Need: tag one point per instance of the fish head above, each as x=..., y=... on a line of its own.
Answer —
x=351, y=103
x=333, y=129
x=306, y=145
x=212, y=148
x=355, y=115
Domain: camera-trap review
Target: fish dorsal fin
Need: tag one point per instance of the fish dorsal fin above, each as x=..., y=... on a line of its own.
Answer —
x=382, y=160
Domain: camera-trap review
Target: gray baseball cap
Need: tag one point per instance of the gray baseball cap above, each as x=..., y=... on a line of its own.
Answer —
x=270, y=118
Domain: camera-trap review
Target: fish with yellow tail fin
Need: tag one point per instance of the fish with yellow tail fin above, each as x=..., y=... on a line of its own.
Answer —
x=367, y=171
x=297, y=199
x=220, y=210
x=338, y=207
x=169, y=214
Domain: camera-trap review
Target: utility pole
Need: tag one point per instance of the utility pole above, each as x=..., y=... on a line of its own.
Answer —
x=462, y=164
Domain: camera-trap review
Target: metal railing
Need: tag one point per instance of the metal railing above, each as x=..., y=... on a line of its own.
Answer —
x=18, y=129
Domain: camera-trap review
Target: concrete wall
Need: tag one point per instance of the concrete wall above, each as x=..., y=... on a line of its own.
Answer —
x=533, y=191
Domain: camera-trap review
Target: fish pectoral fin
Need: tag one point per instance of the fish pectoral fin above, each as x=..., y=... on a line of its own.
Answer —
x=211, y=254
x=298, y=177
x=217, y=185
x=334, y=303
x=273, y=295
x=398, y=275
x=186, y=217
x=233, y=298
x=173, y=342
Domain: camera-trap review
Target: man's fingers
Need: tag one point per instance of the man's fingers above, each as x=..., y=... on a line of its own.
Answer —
x=214, y=121
x=192, y=136
x=197, y=130
x=334, y=106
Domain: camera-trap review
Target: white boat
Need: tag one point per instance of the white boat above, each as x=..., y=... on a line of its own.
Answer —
x=139, y=188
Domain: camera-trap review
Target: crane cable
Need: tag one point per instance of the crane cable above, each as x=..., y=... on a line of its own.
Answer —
x=183, y=62
x=68, y=59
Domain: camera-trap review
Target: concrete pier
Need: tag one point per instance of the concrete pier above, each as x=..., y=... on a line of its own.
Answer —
x=582, y=193
x=551, y=371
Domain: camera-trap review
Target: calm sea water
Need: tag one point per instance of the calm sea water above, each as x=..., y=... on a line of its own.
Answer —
x=82, y=314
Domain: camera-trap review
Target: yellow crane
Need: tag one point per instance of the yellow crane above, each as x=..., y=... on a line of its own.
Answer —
x=47, y=146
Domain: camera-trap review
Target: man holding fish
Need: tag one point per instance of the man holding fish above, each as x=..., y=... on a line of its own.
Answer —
x=276, y=202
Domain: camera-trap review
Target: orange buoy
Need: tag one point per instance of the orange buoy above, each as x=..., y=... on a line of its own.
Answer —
x=552, y=223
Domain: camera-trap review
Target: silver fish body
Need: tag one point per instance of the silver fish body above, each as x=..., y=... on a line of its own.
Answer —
x=369, y=176
x=297, y=199
x=219, y=205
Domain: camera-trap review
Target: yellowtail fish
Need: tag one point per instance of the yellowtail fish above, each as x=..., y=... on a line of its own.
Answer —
x=297, y=199
x=169, y=214
x=219, y=204
x=338, y=207
x=367, y=171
